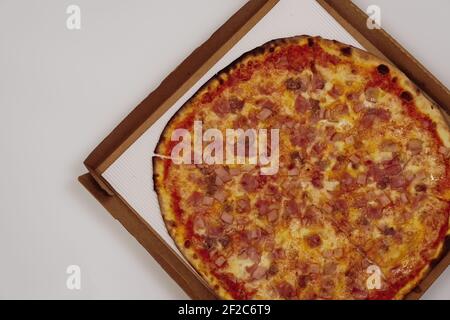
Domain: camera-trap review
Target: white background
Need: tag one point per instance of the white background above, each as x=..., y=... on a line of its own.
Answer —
x=62, y=91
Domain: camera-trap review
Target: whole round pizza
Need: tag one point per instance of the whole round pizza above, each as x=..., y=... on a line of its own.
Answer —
x=307, y=169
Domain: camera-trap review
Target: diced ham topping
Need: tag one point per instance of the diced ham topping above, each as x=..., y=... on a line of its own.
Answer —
x=404, y=198
x=313, y=240
x=336, y=91
x=207, y=201
x=358, y=107
x=445, y=151
x=354, y=96
x=316, y=179
x=220, y=261
x=293, y=172
x=303, y=280
x=311, y=216
x=243, y=205
x=263, y=206
x=259, y=272
x=199, y=224
x=235, y=104
x=285, y=290
x=313, y=268
x=392, y=169
x=272, y=216
x=303, y=136
x=195, y=199
x=318, y=83
x=340, y=205
x=249, y=182
x=327, y=208
x=338, y=253
x=318, y=148
x=361, y=179
x=354, y=159
x=373, y=212
x=415, y=146
x=347, y=181
x=338, y=136
x=227, y=217
x=372, y=94
x=221, y=107
x=349, y=140
x=223, y=174
x=329, y=268
x=253, y=255
x=254, y=234
x=264, y=114
x=302, y=104
x=373, y=114
x=398, y=181
x=384, y=200
x=359, y=201
x=234, y=172
x=220, y=196
x=291, y=207
x=389, y=146
x=338, y=112
x=300, y=83
x=218, y=181
x=278, y=253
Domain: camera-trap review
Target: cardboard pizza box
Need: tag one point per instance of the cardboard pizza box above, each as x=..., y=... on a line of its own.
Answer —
x=183, y=79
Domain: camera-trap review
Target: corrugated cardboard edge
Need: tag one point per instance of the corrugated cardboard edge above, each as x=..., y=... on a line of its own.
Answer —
x=182, y=78
x=186, y=74
x=189, y=281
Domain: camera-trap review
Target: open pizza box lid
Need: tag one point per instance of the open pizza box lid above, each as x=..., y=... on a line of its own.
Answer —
x=120, y=167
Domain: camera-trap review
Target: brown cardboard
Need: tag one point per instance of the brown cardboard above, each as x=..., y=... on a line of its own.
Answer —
x=182, y=78
x=191, y=283
x=188, y=73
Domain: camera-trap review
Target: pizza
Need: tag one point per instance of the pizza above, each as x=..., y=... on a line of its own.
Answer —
x=358, y=204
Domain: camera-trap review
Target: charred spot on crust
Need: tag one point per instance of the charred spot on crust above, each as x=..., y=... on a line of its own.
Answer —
x=171, y=224
x=406, y=96
x=259, y=50
x=310, y=42
x=272, y=49
x=417, y=289
x=383, y=69
x=346, y=51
